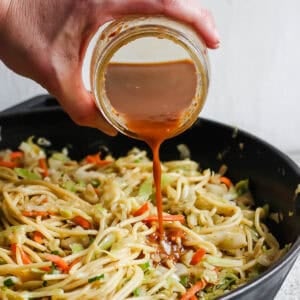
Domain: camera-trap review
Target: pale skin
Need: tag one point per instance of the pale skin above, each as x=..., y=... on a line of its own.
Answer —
x=46, y=41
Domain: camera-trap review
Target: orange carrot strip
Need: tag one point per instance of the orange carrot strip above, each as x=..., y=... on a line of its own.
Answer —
x=166, y=218
x=26, y=213
x=13, y=248
x=25, y=258
x=193, y=298
x=46, y=269
x=74, y=262
x=197, y=257
x=45, y=200
x=16, y=154
x=58, y=261
x=37, y=237
x=8, y=164
x=145, y=207
x=43, y=166
x=190, y=293
x=226, y=181
x=84, y=223
x=95, y=159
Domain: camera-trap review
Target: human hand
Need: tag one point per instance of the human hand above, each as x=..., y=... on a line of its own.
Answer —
x=46, y=40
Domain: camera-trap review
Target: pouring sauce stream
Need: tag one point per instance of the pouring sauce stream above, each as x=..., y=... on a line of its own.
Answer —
x=152, y=99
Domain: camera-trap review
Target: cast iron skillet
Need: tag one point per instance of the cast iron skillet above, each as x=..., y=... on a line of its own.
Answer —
x=273, y=176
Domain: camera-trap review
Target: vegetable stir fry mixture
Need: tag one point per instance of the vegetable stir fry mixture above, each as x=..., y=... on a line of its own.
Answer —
x=88, y=229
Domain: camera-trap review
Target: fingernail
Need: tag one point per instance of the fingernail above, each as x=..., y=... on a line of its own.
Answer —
x=217, y=36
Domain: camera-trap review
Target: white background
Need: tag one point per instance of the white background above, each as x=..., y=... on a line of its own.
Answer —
x=255, y=82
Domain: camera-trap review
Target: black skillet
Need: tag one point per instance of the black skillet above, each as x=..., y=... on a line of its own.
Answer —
x=273, y=176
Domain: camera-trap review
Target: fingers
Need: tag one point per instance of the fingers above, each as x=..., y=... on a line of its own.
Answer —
x=80, y=105
x=187, y=11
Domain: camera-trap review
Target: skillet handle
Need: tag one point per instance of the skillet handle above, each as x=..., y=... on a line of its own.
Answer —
x=41, y=102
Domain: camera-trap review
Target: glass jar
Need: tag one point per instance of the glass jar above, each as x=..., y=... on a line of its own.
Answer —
x=138, y=29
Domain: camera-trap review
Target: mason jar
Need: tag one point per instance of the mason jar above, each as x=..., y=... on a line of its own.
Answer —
x=148, y=39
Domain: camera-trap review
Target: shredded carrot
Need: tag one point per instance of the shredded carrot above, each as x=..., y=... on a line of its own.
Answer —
x=226, y=181
x=197, y=257
x=166, y=218
x=58, y=261
x=37, y=237
x=13, y=248
x=25, y=258
x=84, y=223
x=43, y=166
x=45, y=200
x=145, y=207
x=46, y=269
x=96, y=159
x=16, y=155
x=34, y=213
x=190, y=293
x=8, y=164
x=193, y=298
x=14, y=160
x=74, y=262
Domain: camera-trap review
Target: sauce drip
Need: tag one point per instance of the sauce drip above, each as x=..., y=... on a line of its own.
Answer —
x=152, y=99
x=170, y=249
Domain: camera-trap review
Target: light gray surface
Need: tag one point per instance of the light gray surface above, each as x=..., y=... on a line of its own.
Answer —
x=290, y=289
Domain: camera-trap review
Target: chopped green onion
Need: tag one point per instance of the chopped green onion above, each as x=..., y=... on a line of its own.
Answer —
x=55, y=252
x=99, y=208
x=65, y=213
x=26, y=174
x=146, y=188
x=70, y=186
x=227, y=281
x=92, y=279
x=8, y=282
x=242, y=187
x=81, y=184
x=137, y=292
x=166, y=180
x=184, y=280
x=76, y=247
x=145, y=266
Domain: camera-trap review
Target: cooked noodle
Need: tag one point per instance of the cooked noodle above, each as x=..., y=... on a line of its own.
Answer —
x=82, y=230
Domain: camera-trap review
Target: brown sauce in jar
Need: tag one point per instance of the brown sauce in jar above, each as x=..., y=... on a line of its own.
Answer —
x=152, y=99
